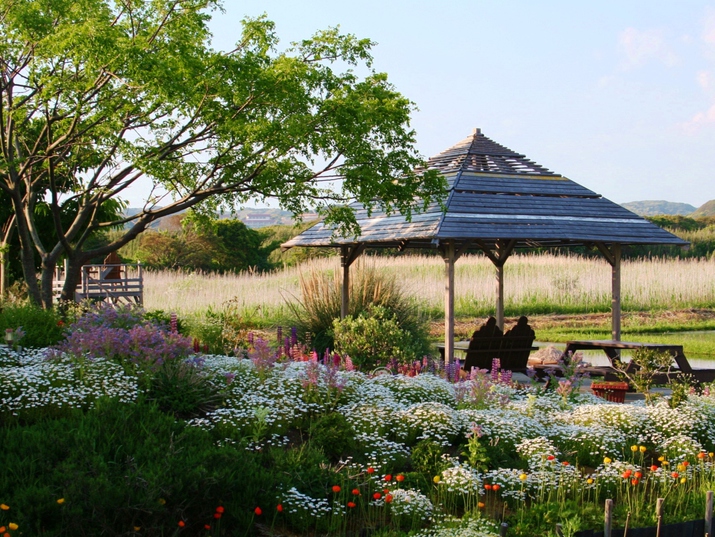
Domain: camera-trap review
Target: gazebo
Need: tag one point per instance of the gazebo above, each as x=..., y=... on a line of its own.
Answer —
x=498, y=201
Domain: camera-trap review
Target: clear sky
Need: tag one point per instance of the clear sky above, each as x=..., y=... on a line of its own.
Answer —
x=617, y=95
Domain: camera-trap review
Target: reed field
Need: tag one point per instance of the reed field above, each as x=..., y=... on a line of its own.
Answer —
x=534, y=284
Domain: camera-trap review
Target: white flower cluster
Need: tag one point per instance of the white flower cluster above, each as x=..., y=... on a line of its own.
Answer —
x=536, y=450
x=294, y=502
x=29, y=380
x=370, y=418
x=460, y=479
x=505, y=424
x=434, y=421
x=465, y=527
x=420, y=389
x=382, y=452
x=679, y=447
x=410, y=503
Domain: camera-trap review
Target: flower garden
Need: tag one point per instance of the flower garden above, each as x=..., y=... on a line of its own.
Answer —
x=123, y=429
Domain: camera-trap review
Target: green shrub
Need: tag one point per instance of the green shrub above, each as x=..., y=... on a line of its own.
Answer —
x=182, y=389
x=122, y=466
x=321, y=301
x=374, y=338
x=42, y=327
x=333, y=434
x=427, y=458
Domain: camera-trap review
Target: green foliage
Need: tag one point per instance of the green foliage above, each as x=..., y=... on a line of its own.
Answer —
x=119, y=466
x=649, y=363
x=427, y=457
x=42, y=328
x=374, y=338
x=204, y=244
x=184, y=390
x=259, y=116
x=334, y=435
x=321, y=301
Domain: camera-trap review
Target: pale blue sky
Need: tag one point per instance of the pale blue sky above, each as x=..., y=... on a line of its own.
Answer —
x=617, y=95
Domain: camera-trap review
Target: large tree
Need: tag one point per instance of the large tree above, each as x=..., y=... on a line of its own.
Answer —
x=100, y=95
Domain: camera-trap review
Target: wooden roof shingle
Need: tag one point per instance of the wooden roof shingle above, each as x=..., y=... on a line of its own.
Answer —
x=498, y=194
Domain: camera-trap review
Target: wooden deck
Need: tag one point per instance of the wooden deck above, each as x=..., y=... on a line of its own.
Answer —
x=116, y=283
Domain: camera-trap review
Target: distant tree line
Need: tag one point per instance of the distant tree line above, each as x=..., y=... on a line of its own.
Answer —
x=226, y=245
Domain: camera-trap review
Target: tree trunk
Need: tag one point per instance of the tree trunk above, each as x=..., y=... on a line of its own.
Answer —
x=27, y=254
x=73, y=276
x=49, y=263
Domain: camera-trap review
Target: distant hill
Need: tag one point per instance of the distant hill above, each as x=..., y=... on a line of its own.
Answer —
x=656, y=207
x=707, y=209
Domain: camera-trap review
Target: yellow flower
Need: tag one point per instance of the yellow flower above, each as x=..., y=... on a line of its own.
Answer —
x=137, y=528
x=680, y=468
x=4, y=507
x=664, y=463
x=682, y=480
x=61, y=501
x=711, y=454
x=589, y=480
x=634, y=448
x=162, y=501
x=12, y=526
x=642, y=449
x=480, y=505
x=523, y=477
x=606, y=460
x=436, y=479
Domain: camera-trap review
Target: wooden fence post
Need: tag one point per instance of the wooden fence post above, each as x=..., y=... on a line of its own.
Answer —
x=659, y=515
x=608, y=518
x=708, y=513
x=502, y=529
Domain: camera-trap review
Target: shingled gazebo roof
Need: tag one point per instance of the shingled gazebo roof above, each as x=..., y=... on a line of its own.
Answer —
x=498, y=194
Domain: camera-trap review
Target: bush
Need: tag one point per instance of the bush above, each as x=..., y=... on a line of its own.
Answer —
x=374, y=338
x=121, y=334
x=182, y=389
x=321, y=300
x=333, y=434
x=42, y=327
x=121, y=466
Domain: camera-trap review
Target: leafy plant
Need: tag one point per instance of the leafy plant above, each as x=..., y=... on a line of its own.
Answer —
x=42, y=327
x=374, y=338
x=183, y=389
x=646, y=364
x=320, y=303
x=333, y=434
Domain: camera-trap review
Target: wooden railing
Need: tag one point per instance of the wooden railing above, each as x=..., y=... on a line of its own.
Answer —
x=122, y=282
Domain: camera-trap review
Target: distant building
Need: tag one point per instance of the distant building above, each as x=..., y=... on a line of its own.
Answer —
x=259, y=220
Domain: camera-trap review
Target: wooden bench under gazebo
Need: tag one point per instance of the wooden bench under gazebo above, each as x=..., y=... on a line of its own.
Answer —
x=498, y=201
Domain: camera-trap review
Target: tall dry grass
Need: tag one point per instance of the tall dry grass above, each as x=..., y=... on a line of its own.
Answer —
x=533, y=284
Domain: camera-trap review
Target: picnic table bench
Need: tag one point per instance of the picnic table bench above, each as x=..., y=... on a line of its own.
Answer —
x=612, y=349
x=513, y=353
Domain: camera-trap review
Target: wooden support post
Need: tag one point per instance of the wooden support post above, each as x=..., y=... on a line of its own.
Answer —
x=345, y=290
x=348, y=254
x=708, y=513
x=616, y=294
x=658, y=516
x=502, y=529
x=613, y=256
x=448, y=256
x=500, y=295
x=608, y=518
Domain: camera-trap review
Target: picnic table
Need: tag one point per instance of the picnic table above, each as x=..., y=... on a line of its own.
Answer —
x=612, y=349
